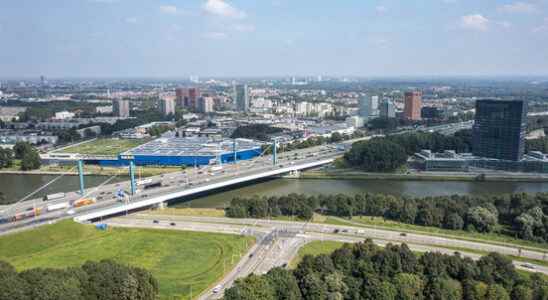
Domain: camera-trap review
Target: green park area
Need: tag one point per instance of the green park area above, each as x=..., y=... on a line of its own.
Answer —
x=315, y=248
x=104, y=146
x=183, y=262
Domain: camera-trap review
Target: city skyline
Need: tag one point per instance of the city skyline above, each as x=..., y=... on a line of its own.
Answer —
x=121, y=38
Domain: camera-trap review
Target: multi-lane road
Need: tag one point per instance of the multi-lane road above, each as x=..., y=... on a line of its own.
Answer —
x=279, y=241
x=187, y=180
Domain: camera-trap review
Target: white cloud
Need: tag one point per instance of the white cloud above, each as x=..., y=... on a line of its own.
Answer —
x=216, y=35
x=169, y=9
x=518, y=7
x=131, y=20
x=381, y=9
x=474, y=22
x=223, y=9
x=244, y=27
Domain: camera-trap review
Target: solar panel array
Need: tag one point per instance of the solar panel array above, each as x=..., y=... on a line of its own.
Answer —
x=191, y=146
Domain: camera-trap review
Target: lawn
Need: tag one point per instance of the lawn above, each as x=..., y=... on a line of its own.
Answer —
x=315, y=248
x=104, y=146
x=181, y=261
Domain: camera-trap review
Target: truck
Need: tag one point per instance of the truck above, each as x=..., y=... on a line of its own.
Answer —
x=84, y=202
x=152, y=185
x=216, y=168
x=57, y=206
x=54, y=196
x=26, y=215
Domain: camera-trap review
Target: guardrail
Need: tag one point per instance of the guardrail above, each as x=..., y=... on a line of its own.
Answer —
x=183, y=193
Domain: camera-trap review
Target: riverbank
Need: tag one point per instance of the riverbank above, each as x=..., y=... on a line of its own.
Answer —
x=349, y=174
x=92, y=170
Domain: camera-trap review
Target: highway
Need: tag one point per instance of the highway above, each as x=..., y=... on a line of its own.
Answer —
x=279, y=241
x=188, y=181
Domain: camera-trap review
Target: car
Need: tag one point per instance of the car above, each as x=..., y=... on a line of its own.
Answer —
x=155, y=222
x=172, y=224
x=403, y=234
x=528, y=266
x=251, y=255
x=336, y=231
x=217, y=289
x=70, y=212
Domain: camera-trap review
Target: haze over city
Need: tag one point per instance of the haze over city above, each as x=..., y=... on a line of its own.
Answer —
x=140, y=38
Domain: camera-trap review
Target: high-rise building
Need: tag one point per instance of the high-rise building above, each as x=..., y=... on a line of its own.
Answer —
x=167, y=106
x=181, y=94
x=412, y=105
x=499, y=129
x=121, y=108
x=192, y=100
x=242, y=98
x=387, y=109
x=205, y=104
x=369, y=107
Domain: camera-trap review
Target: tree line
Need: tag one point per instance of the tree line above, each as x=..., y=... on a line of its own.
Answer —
x=518, y=215
x=366, y=271
x=104, y=280
x=259, y=132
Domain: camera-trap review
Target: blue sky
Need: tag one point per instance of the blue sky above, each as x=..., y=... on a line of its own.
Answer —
x=177, y=38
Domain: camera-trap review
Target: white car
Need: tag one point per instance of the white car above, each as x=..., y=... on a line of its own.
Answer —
x=217, y=289
x=70, y=212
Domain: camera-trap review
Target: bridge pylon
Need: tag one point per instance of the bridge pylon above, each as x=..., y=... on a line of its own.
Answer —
x=132, y=176
x=81, y=175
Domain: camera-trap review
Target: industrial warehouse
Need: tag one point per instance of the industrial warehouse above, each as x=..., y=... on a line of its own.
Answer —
x=194, y=151
x=172, y=151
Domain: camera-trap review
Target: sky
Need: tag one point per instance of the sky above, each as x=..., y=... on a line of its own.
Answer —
x=178, y=38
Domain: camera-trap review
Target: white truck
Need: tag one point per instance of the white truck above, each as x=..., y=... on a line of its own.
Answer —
x=58, y=206
x=54, y=196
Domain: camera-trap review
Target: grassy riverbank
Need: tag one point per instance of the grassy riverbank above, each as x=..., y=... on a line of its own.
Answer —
x=180, y=260
x=90, y=170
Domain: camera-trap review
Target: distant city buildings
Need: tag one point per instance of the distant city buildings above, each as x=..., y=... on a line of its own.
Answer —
x=121, y=108
x=499, y=129
x=180, y=96
x=63, y=115
x=242, y=98
x=429, y=112
x=205, y=105
x=192, y=99
x=167, y=106
x=412, y=105
x=387, y=109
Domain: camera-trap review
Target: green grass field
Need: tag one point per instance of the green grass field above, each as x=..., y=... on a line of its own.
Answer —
x=315, y=248
x=179, y=260
x=105, y=146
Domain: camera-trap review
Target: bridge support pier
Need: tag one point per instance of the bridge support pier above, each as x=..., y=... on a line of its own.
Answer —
x=132, y=177
x=81, y=175
x=274, y=150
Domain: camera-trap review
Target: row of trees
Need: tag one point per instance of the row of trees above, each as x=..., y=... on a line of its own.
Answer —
x=260, y=132
x=519, y=215
x=103, y=280
x=366, y=271
x=6, y=158
x=314, y=141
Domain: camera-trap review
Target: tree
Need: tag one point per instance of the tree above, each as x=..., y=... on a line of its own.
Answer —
x=453, y=221
x=21, y=148
x=6, y=158
x=284, y=284
x=409, y=286
x=443, y=289
x=482, y=219
x=30, y=160
x=251, y=288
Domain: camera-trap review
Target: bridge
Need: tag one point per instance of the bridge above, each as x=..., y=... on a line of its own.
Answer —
x=169, y=187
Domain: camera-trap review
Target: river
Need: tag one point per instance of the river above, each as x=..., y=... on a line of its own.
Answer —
x=17, y=186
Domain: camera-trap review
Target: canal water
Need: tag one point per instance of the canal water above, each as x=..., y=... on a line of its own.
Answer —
x=17, y=186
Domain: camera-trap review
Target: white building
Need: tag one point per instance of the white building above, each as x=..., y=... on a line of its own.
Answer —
x=167, y=106
x=64, y=115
